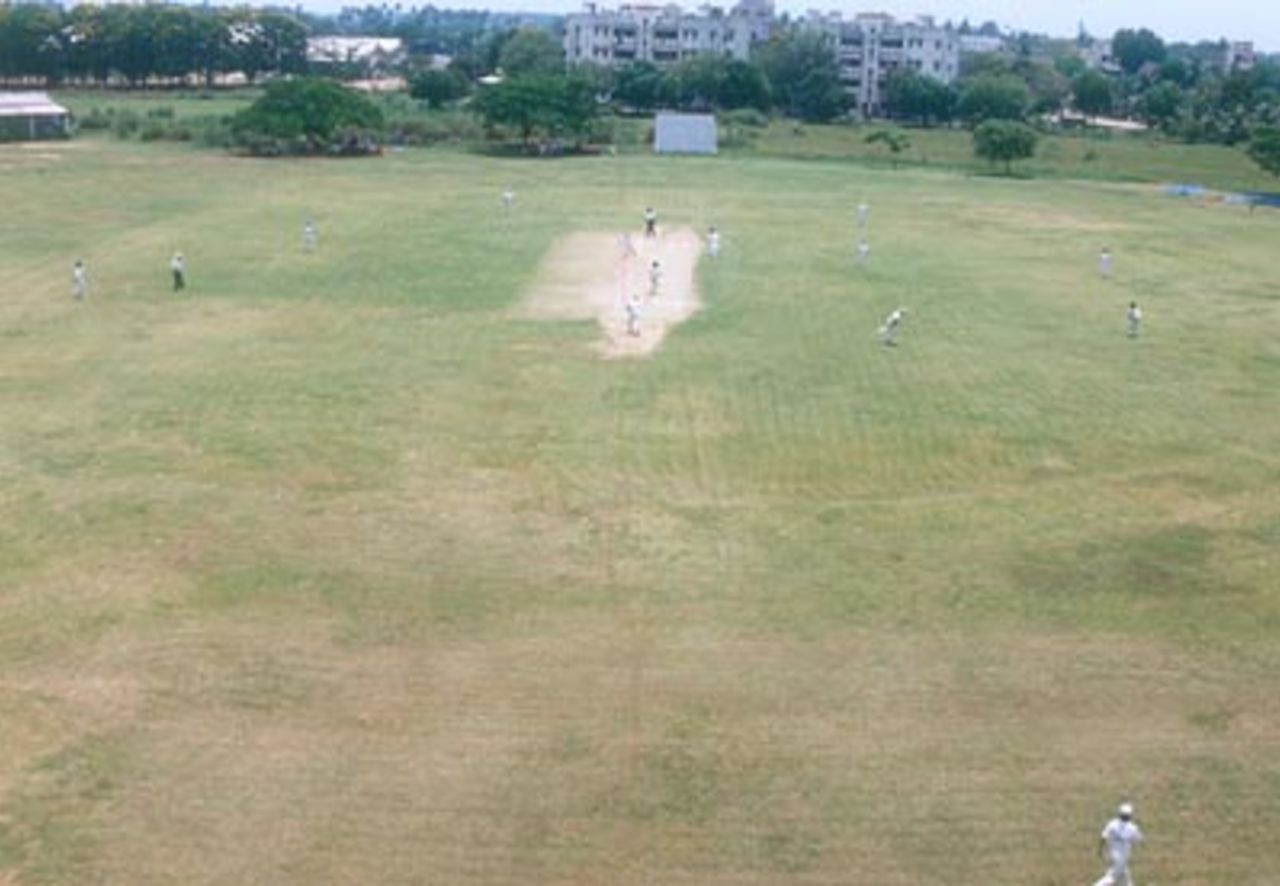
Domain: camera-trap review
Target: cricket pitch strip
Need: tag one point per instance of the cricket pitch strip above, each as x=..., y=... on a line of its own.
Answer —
x=591, y=274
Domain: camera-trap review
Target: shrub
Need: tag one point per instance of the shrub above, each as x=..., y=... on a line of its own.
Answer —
x=126, y=124
x=748, y=117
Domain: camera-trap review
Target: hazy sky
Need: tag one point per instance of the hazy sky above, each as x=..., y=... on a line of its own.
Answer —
x=1256, y=20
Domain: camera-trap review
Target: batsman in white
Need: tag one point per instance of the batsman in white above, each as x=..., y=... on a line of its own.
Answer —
x=863, y=211
x=713, y=242
x=888, y=332
x=309, y=236
x=655, y=278
x=1134, y=318
x=864, y=251
x=1104, y=263
x=79, y=280
x=508, y=199
x=1116, y=843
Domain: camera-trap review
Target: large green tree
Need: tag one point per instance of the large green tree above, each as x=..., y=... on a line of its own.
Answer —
x=913, y=96
x=438, y=88
x=803, y=75
x=1133, y=49
x=531, y=51
x=538, y=105
x=1091, y=93
x=1264, y=148
x=1004, y=141
x=990, y=97
x=306, y=115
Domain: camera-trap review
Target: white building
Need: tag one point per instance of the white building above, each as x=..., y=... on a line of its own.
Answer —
x=980, y=44
x=32, y=116
x=1098, y=56
x=1239, y=56
x=373, y=54
x=873, y=45
x=663, y=35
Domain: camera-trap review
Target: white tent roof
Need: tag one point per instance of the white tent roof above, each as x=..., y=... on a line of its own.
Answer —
x=29, y=104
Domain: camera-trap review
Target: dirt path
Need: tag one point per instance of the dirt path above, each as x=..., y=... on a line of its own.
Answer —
x=590, y=274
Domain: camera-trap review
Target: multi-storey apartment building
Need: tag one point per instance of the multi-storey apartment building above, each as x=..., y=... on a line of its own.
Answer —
x=873, y=45
x=663, y=34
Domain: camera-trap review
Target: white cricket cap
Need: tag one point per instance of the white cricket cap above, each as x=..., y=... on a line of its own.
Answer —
x=1125, y=810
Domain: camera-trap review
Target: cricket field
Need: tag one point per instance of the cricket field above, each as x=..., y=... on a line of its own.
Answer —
x=341, y=568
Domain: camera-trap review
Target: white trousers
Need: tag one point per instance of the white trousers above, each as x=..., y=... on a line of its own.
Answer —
x=1117, y=875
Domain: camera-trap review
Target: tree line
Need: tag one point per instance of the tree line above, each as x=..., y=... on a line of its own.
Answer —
x=144, y=45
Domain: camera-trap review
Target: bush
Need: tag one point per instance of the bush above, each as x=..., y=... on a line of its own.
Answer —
x=126, y=124
x=96, y=119
x=748, y=117
x=434, y=129
x=164, y=112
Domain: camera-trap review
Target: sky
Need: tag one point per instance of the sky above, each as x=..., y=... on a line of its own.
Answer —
x=1174, y=20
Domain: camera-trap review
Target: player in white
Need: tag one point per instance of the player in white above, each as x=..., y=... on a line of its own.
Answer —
x=713, y=242
x=1117, y=841
x=79, y=280
x=508, y=199
x=632, y=308
x=1134, y=318
x=863, y=211
x=888, y=333
x=864, y=251
x=650, y=222
x=309, y=236
x=178, y=267
x=655, y=278
x=1104, y=263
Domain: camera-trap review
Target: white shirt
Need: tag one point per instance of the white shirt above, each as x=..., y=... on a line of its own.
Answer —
x=177, y=263
x=713, y=243
x=79, y=274
x=894, y=319
x=1135, y=314
x=1120, y=835
x=863, y=209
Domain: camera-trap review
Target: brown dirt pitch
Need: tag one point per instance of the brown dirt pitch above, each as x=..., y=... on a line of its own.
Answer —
x=590, y=274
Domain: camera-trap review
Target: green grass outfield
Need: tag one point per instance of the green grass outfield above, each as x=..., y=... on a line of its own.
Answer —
x=332, y=570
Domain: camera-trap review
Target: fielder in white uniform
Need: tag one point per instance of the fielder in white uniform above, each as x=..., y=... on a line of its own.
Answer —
x=1104, y=263
x=508, y=200
x=864, y=251
x=888, y=332
x=713, y=242
x=1117, y=841
x=650, y=222
x=178, y=267
x=1134, y=318
x=655, y=278
x=79, y=280
x=632, y=308
x=309, y=236
x=863, y=211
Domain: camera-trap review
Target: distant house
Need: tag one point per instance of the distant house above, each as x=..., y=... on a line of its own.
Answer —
x=684, y=133
x=32, y=116
x=370, y=56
